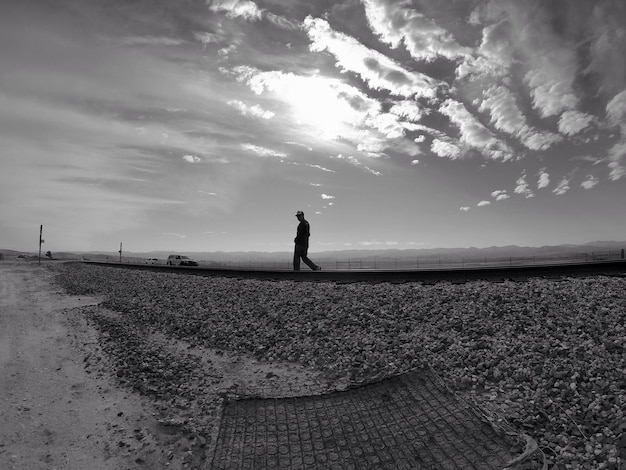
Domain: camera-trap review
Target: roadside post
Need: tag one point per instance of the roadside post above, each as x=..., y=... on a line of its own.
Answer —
x=41, y=240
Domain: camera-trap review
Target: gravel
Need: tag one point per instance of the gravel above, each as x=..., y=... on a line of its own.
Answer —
x=546, y=355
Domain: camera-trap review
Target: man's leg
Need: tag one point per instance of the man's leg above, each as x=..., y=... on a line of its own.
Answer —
x=307, y=261
x=296, y=259
x=310, y=263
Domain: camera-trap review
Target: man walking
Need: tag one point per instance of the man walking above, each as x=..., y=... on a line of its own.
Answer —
x=302, y=244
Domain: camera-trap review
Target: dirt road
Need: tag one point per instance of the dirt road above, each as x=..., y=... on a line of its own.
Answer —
x=62, y=402
x=56, y=413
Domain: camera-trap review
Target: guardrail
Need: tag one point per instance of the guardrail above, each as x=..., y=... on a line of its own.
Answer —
x=421, y=263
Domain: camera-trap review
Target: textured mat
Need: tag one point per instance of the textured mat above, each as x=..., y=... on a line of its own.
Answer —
x=405, y=422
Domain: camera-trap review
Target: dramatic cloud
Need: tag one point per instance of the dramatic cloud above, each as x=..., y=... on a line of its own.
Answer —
x=507, y=117
x=445, y=149
x=123, y=118
x=396, y=23
x=473, y=133
x=236, y=9
x=378, y=70
x=409, y=110
x=572, y=122
x=330, y=108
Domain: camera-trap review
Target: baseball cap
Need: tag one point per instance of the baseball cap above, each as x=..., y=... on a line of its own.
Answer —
x=299, y=213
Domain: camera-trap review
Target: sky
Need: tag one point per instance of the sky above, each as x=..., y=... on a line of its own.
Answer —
x=204, y=125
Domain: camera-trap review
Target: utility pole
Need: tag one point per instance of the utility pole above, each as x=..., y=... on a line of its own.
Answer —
x=120, y=252
x=41, y=240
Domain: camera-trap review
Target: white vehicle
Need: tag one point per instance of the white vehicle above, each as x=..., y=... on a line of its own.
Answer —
x=181, y=260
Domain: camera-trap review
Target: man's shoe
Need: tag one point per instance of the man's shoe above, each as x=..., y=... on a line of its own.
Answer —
x=318, y=268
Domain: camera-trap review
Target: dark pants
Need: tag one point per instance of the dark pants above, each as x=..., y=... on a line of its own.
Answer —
x=300, y=253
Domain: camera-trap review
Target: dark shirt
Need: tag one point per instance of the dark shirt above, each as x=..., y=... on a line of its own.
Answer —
x=302, y=236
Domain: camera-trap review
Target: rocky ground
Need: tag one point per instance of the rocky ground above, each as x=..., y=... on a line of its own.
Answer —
x=82, y=387
x=546, y=355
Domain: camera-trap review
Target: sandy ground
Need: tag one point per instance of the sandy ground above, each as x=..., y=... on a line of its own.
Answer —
x=60, y=404
x=56, y=413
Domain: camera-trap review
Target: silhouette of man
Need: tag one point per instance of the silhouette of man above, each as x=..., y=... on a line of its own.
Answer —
x=302, y=244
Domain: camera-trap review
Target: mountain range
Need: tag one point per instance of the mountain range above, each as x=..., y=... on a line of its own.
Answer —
x=493, y=252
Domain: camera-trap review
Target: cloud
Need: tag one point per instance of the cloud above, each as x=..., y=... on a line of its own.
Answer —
x=445, y=149
x=263, y=152
x=573, y=122
x=520, y=40
x=589, y=182
x=616, y=109
x=551, y=90
x=464, y=208
x=616, y=114
x=562, y=187
x=396, y=23
x=522, y=187
x=376, y=69
x=420, y=138
x=310, y=149
x=208, y=38
x=319, y=167
x=473, y=133
x=483, y=203
x=617, y=154
x=148, y=40
x=177, y=235
x=326, y=107
x=500, y=195
x=371, y=171
x=607, y=44
x=414, y=162
x=507, y=117
x=327, y=196
x=407, y=109
x=494, y=55
x=254, y=111
x=236, y=9
x=282, y=22
x=357, y=163
x=544, y=179
x=191, y=159
x=389, y=125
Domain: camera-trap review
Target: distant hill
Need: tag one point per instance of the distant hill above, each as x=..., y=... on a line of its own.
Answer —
x=493, y=252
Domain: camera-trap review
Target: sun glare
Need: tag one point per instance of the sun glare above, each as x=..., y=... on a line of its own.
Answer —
x=330, y=107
